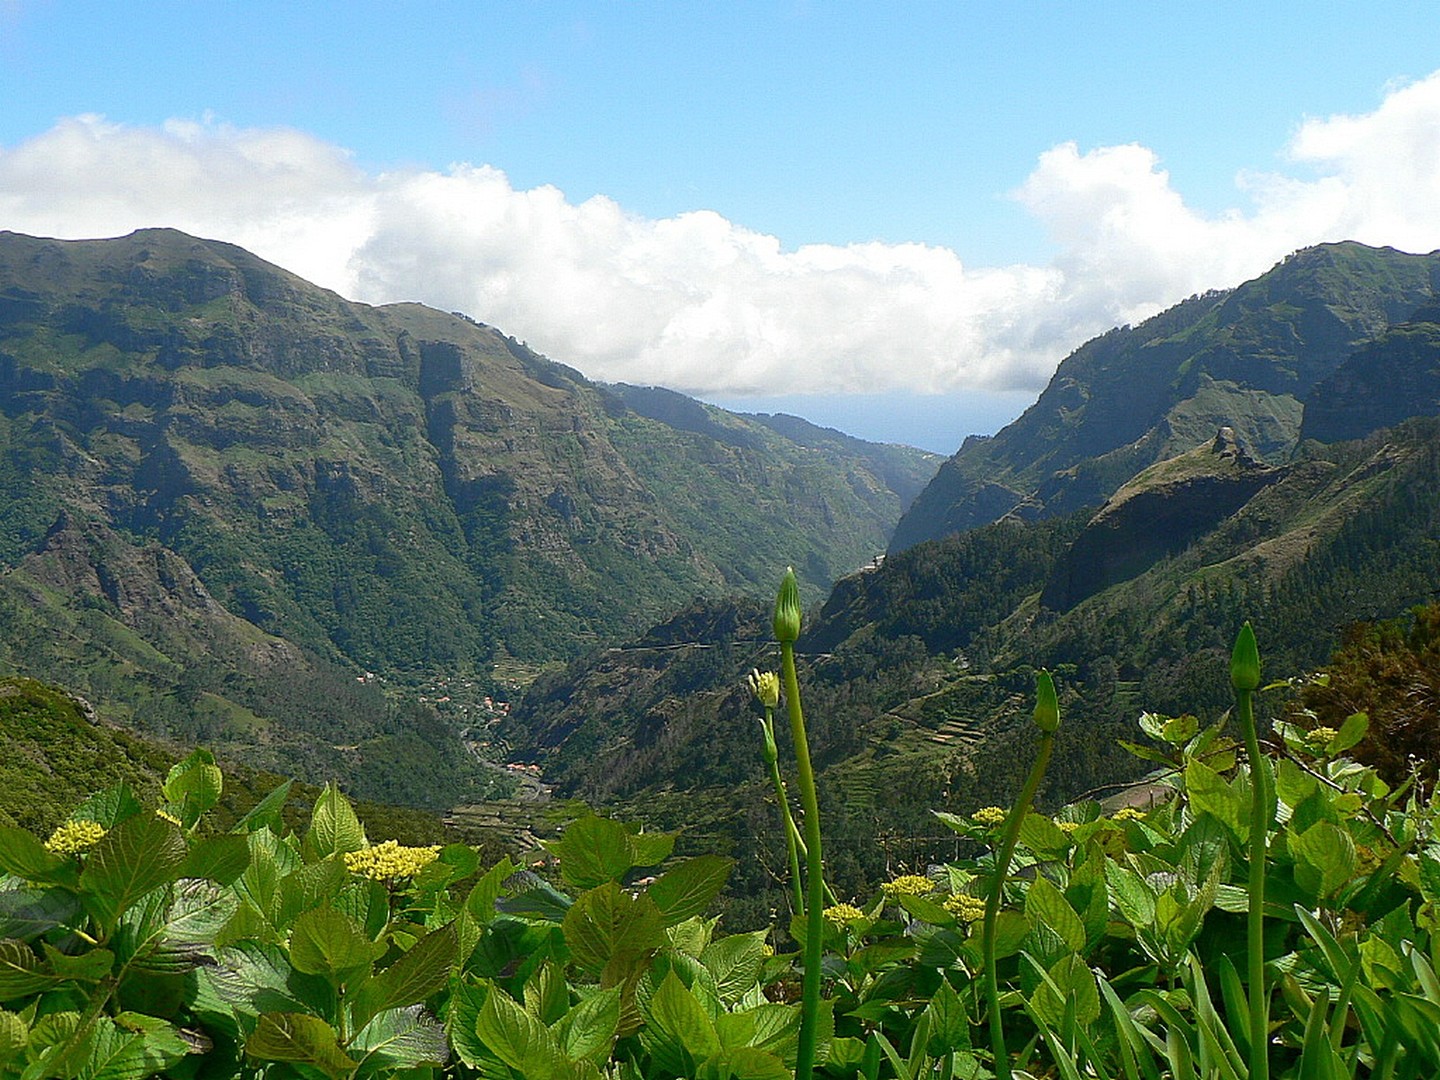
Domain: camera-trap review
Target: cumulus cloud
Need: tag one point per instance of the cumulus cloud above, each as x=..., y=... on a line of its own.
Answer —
x=703, y=304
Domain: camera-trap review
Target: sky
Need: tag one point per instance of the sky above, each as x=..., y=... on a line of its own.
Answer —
x=892, y=219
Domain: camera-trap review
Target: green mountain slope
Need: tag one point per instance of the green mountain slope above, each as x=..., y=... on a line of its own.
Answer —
x=225, y=493
x=1247, y=358
x=917, y=674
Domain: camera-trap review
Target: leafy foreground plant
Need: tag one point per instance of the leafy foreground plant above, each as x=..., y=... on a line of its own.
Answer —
x=138, y=940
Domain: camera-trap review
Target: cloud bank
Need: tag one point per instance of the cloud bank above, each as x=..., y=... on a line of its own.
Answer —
x=702, y=304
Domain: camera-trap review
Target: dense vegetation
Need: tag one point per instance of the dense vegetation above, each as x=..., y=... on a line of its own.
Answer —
x=1117, y=940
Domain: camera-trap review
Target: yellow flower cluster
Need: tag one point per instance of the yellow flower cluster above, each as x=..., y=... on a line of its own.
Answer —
x=165, y=815
x=843, y=914
x=765, y=685
x=988, y=815
x=75, y=836
x=1318, y=739
x=388, y=860
x=1128, y=813
x=965, y=907
x=908, y=885
x=1067, y=826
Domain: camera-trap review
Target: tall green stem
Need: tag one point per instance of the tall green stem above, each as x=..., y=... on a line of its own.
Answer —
x=792, y=834
x=1047, y=716
x=814, y=871
x=787, y=630
x=1245, y=678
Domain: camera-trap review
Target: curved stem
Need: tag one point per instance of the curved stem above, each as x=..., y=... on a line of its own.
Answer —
x=814, y=871
x=1255, y=922
x=992, y=902
x=792, y=835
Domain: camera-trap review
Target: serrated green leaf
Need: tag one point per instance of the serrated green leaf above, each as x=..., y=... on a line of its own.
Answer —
x=27, y=912
x=949, y=1023
x=141, y=853
x=296, y=1037
x=325, y=942
x=592, y=851
x=26, y=857
x=686, y=889
x=1354, y=729
x=516, y=1037
x=399, y=1039
x=217, y=858
x=1209, y=793
x=110, y=807
x=608, y=923
x=194, y=785
x=334, y=828
x=1046, y=905
x=308, y=886
x=651, y=848
x=1326, y=858
x=21, y=972
x=735, y=962
x=587, y=1031
x=678, y=1032
x=422, y=970
x=268, y=813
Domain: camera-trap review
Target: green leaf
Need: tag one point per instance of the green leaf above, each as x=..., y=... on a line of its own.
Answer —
x=651, y=848
x=307, y=887
x=1326, y=858
x=678, y=1032
x=21, y=972
x=400, y=1039
x=1209, y=793
x=14, y=1035
x=109, y=807
x=26, y=913
x=735, y=962
x=325, y=942
x=593, y=850
x=89, y=966
x=687, y=888
x=1043, y=836
x=1068, y=985
x=516, y=1037
x=141, y=853
x=295, y=1037
x=417, y=974
x=195, y=785
x=334, y=828
x=24, y=856
x=1045, y=904
x=1011, y=928
x=217, y=858
x=587, y=1031
x=608, y=923
x=1354, y=729
x=949, y=1024
x=268, y=813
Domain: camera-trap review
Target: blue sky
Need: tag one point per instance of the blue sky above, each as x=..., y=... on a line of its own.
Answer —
x=895, y=219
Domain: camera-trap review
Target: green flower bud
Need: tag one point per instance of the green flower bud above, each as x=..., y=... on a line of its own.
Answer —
x=765, y=685
x=787, y=609
x=1047, y=706
x=1245, y=661
x=771, y=754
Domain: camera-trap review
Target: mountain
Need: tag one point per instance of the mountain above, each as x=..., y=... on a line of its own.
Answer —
x=1270, y=454
x=1254, y=358
x=226, y=494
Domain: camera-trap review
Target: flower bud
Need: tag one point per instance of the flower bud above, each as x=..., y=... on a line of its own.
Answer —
x=765, y=685
x=1245, y=661
x=769, y=750
x=1047, y=706
x=787, y=609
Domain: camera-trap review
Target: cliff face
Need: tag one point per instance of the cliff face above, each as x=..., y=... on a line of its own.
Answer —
x=1246, y=358
x=1383, y=382
x=1155, y=515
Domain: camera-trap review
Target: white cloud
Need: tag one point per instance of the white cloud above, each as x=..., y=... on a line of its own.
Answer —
x=703, y=304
